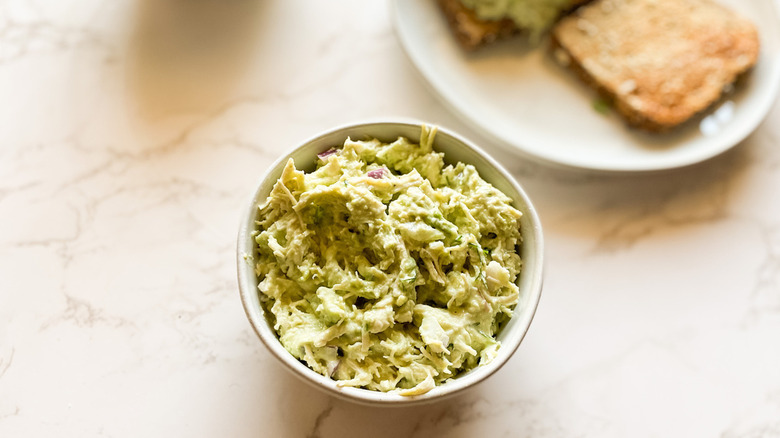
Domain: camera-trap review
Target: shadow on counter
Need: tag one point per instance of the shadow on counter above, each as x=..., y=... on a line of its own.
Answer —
x=312, y=413
x=616, y=209
x=189, y=56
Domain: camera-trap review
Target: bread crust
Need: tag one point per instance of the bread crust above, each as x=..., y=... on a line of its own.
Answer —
x=660, y=62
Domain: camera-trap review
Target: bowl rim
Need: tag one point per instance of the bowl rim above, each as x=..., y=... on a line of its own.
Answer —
x=256, y=314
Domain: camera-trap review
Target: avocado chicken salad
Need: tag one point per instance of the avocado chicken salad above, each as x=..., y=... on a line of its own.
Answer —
x=535, y=16
x=386, y=269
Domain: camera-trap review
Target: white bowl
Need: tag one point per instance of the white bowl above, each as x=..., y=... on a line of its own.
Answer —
x=455, y=148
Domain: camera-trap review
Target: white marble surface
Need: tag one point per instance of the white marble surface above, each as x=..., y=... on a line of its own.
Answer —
x=126, y=155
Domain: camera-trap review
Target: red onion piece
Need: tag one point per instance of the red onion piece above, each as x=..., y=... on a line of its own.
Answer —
x=323, y=155
x=377, y=173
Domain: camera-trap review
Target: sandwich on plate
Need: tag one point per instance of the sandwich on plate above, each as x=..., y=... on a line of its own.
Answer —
x=658, y=62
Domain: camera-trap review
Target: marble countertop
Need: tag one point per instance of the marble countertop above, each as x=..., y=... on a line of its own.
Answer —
x=134, y=131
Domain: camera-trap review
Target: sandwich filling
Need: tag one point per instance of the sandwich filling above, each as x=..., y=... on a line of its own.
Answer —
x=534, y=16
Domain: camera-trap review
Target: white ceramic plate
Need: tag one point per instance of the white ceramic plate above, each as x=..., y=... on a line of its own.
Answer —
x=528, y=103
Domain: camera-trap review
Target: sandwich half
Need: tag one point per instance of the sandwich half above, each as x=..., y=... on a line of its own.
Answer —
x=659, y=62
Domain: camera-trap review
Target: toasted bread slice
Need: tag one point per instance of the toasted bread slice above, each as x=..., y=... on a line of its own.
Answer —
x=473, y=32
x=660, y=62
